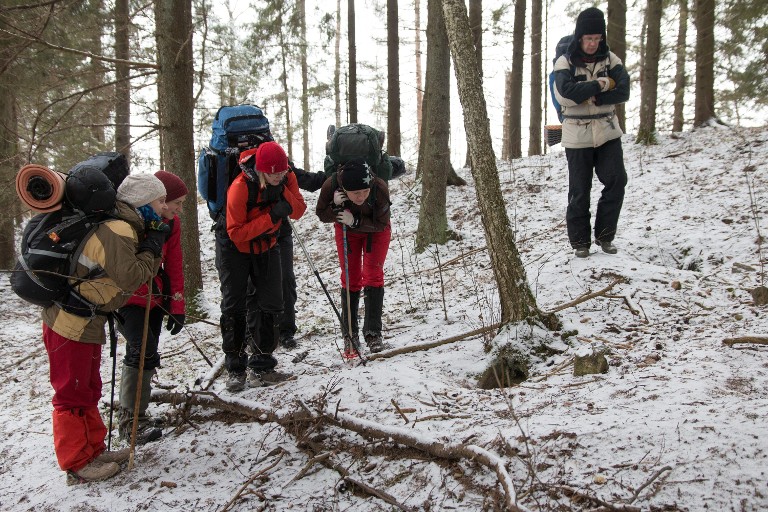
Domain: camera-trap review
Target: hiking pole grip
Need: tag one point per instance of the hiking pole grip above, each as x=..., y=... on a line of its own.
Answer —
x=142, y=355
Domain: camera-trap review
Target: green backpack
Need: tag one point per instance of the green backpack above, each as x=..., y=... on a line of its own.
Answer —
x=356, y=141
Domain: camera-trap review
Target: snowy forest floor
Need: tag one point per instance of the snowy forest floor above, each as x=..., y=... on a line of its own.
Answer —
x=677, y=423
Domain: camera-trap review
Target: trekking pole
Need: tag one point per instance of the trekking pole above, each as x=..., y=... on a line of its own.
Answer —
x=355, y=346
x=317, y=275
x=142, y=354
x=113, y=354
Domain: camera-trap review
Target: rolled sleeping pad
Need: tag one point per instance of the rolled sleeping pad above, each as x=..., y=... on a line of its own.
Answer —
x=40, y=188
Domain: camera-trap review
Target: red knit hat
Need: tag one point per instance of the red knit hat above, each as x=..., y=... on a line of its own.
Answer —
x=271, y=158
x=174, y=187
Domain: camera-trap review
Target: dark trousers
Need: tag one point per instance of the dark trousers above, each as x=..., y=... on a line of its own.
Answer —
x=236, y=269
x=132, y=328
x=608, y=164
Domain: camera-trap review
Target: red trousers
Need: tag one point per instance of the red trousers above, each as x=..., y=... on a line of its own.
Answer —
x=78, y=430
x=365, y=268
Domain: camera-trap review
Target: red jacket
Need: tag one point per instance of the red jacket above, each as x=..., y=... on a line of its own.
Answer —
x=173, y=267
x=253, y=230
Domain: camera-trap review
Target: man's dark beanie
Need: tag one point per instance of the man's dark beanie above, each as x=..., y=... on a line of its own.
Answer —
x=590, y=21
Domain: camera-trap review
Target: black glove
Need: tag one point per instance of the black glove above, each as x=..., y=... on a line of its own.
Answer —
x=175, y=323
x=154, y=242
x=157, y=225
x=272, y=193
x=279, y=210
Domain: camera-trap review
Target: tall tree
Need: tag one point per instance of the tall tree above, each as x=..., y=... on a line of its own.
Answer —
x=516, y=92
x=704, y=109
x=476, y=25
x=678, y=117
x=535, y=125
x=301, y=12
x=434, y=163
x=173, y=33
x=352, y=61
x=646, y=133
x=419, y=83
x=518, y=304
x=337, y=66
x=617, y=42
x=122, y=74
x=393, y=79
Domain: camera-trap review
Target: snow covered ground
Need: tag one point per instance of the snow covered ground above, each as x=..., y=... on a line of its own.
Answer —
x=677, y=423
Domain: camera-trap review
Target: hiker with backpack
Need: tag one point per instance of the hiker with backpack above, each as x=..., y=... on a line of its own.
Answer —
x=589, y=81
x=114, y=260
x=258, y=202
x=358, y=203
x=167, y=299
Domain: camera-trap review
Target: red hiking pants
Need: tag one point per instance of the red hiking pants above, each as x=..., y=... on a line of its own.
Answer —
x=78, y=430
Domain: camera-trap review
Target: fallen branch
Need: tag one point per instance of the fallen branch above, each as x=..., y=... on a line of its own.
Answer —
x=382, y=495
x=587, y=296
x=759, y=340
x=648, y=482
x=432, y=344
x=250, y=481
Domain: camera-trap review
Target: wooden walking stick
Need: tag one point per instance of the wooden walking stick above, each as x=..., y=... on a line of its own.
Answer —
x=142, y=354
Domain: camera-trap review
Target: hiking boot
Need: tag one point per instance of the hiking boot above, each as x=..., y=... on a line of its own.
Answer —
x=288, y=342
x=236, y=381
x=94, y=471
x=117, y=456
x=607, y=247
x=375, y=342
x=582, y=252
x=272, y=377
x=146, y=432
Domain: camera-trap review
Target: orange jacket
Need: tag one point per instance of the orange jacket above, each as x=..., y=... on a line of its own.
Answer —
x=253, y=230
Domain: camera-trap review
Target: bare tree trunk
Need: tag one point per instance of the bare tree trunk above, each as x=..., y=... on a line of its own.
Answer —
x=517, y=301
x=123, y=85
x=337, y=68
x=506, y=142
x=516, y=100
x=646, y=133
x=617, y=42
x=393, y=80
x=352, y=61
x=8, y=169
x=302, y=10
x=434, y=161
x=419, y=82
x=173, y=33
x=704, y=110
x=678, y=117
x=535, y=127
x=476, y=24
x=286, y=94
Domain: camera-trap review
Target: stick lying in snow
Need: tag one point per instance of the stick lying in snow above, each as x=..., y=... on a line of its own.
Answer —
x=587, y=296
x=759, y=340
x=432, y=344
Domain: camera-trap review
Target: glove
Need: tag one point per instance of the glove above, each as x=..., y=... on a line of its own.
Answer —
x=339, y=196
x=272, y=193
x=157, y=225
x=348, y=218
x=175, y=323
x=153, y=242
x=606, y=83
x=279, y=210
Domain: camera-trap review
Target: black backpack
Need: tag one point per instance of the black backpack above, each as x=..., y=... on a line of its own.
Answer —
x=360, y=142
x=50, y=248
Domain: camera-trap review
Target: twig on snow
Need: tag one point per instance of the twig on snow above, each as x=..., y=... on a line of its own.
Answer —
x=586, y=296
x=433, y=344
x=648, y=482
x=759, y=340
x=250, y=481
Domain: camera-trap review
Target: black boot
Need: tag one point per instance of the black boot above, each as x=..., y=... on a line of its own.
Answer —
x=374, y=303
x=233, y=331
x=352, y=338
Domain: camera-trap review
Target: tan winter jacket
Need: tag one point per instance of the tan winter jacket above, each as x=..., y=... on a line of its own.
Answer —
x=578, y=91
x=116, y=271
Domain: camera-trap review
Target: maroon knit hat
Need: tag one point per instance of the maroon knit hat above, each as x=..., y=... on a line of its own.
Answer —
x=174, y=187
x=271, y=158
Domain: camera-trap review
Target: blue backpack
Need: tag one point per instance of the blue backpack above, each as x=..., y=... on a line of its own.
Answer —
x=562, y=47
x=235, y=129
